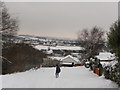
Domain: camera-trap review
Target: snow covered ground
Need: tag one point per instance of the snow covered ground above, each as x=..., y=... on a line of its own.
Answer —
x=39, y=47
x=70, y=77
x=0, y=82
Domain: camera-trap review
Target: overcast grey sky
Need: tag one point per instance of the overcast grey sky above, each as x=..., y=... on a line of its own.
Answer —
x=62, y=20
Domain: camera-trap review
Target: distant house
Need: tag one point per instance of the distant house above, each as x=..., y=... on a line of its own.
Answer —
x=106, y=56
x=68, y=60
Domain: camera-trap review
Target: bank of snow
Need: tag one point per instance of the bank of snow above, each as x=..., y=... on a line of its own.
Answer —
x=70, y=77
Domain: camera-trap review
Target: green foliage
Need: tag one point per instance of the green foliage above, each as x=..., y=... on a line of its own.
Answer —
x=114, y=44
x=114, y=38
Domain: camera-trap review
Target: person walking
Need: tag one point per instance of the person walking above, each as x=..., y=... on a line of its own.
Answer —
x=58, y=70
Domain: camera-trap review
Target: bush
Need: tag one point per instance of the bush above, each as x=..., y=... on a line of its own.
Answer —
x=112, y=73
x=22, y=56
x=114, y=44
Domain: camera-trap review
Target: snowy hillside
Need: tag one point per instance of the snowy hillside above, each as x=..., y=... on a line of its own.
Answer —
x=70, y=77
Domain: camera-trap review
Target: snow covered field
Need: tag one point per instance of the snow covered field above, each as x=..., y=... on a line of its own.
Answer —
x=70, y=77
x=39, y=47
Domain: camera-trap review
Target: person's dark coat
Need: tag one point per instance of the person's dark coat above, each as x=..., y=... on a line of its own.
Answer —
x=58, y=69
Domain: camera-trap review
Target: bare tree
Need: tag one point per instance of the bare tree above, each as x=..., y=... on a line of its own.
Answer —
x=8, y=24
x=92, y=41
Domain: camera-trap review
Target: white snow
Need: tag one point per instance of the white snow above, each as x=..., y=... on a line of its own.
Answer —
x=73, y=58
x=105, y=63
x=0, y=82
x=112, y=63
x=106, y=56
x=39, y=47
x=70, y=77
x=87, y=62
x=49, y=51
x=55, y=58
x=28, y=37
x=62, y=58
x=67, y=63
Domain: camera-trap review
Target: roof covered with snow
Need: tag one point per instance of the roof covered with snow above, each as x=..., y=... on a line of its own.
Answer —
x=74, y=58
x=40, y=47
x=106, y=56
x=112, y=63
x=55, y=58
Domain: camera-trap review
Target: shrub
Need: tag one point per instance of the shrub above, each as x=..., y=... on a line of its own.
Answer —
x=112, y=73
x=22, y=56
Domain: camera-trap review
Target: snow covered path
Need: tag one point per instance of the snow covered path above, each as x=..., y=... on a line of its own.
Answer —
x=70, y=77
